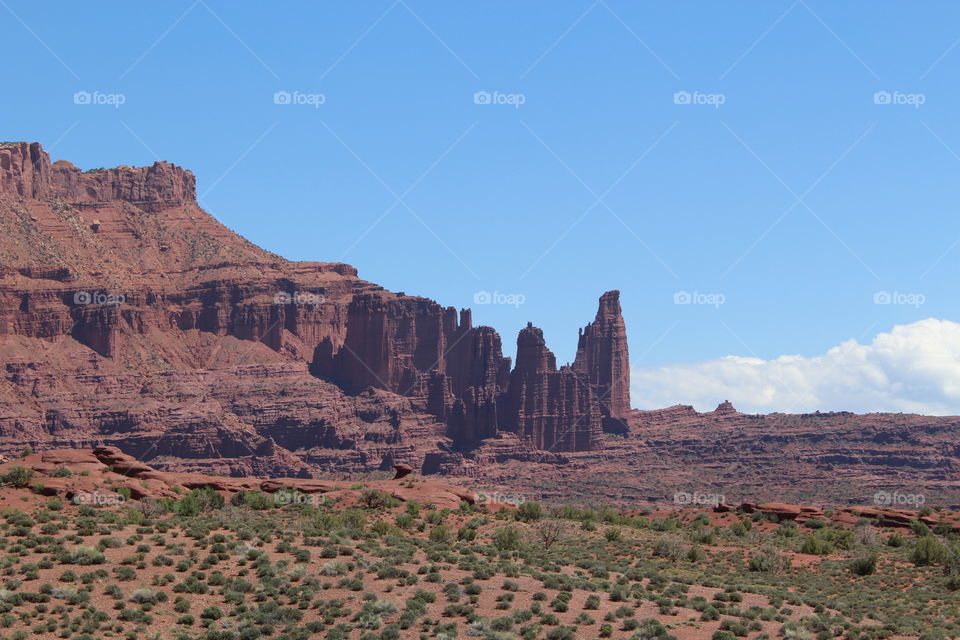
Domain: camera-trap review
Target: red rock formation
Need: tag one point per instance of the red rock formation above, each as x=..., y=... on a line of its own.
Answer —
x=401, y=471
x=128, y=316
x=553, y=410
x=604, y=361
x=725, y=408
x=108, y=466
x=25, y=169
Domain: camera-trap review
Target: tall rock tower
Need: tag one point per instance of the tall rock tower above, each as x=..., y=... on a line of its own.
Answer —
x=604, y=362
x=554, y=410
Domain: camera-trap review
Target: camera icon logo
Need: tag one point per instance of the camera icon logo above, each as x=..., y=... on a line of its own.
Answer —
x=482, y=97
x=82, y=97
x=882, y=297
x=882, y=97
x=282, y=97
x=82, y=297
x=682, y=97
x=682, y=297
x=482, y=297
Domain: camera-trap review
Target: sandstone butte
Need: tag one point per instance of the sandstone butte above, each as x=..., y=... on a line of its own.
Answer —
x=131, y=318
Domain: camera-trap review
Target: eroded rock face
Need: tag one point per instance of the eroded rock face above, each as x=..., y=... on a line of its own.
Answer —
x=418, y=349
x=130, y=317
x=25, y=169
x=603, y=358
x=555, y=410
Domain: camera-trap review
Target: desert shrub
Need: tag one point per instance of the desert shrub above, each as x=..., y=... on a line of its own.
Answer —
x=529, y=511
x=252, y=500
x=82, y=555
x=768, y=560
x=562, y=633
x=867, y=536
x=670, y=547
x=440, y=533
x=702, y=535
x=696, y=554
x=652, y=629
x=375, y=499
x=549, y=532
x=17, y=476
x=864, y=565
x=144, y=595
x=507, y=538
x=334, y=568
x=928, y=550
x=816, y=546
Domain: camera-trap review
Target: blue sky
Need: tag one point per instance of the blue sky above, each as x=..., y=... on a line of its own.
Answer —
x=786, y=208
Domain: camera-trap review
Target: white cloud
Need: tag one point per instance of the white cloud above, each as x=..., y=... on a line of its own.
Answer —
x=915, y=368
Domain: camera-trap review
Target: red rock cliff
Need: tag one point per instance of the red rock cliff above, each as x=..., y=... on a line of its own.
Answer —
x=604, y=361
x=26, y=170
x=130, y=317
x=555, y=410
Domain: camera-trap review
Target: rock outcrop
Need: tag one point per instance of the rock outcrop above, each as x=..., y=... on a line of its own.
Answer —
x=604, y=361
x=416, y=348
x=26, y=170
x=130, y=317
x=96, y=478
x=555, y=410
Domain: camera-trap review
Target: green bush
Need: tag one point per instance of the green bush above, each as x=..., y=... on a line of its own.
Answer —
x=507, y=538
x=928, y=550
x=253, y=500
x=17, y=476
x=816, y=546
x=864, y=565
x=529, y=511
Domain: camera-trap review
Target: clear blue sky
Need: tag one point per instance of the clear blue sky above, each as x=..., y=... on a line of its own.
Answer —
x=797, y=199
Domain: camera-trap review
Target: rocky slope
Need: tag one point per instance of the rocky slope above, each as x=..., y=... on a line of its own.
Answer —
x=680, y=456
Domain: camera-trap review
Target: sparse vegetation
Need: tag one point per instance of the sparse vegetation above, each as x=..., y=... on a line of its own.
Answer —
x=259, y=566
